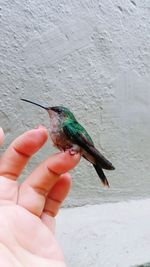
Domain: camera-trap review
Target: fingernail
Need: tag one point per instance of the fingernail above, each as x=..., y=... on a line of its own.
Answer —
x=1, y=131
x=41, y=129
x=1, y=135
x=40, y=126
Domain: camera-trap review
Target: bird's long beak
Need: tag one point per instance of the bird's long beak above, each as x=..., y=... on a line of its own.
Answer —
x=35, y=104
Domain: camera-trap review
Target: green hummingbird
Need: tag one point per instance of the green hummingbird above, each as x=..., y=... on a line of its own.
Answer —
x=68, y=134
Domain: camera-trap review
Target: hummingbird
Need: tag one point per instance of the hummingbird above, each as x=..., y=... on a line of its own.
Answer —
x=68, y=134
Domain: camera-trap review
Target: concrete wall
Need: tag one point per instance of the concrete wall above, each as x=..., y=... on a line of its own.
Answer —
x=110, y=235
x=93, y=57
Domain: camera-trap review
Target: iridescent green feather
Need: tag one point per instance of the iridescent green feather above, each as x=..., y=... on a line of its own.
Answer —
x=75, y=129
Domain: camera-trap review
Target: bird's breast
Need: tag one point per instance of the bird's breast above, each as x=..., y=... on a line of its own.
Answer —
x=59, y=139
x=57, y=135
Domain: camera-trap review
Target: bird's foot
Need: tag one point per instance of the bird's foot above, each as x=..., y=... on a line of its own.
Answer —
x=72, y=150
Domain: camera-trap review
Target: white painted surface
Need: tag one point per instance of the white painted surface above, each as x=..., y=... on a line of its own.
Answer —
x=110, y=235
x=93, y=57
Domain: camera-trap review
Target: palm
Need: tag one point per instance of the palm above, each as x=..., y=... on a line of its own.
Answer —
x=27, y=211
x=31, y=237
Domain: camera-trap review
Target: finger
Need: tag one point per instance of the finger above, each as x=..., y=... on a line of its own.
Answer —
x=35, y=188
x=1, y=136
x=18, y=153
x=55, y=199
x=57, y=195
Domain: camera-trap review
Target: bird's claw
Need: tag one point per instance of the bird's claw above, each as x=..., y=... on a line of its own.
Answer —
x=72, y=151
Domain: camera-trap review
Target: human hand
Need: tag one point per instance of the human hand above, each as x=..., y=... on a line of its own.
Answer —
x=27, y=211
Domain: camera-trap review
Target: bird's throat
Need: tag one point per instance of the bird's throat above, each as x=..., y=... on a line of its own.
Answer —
x=55, y=123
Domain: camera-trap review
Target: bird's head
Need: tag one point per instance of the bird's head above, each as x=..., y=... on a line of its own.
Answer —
x=61, y=112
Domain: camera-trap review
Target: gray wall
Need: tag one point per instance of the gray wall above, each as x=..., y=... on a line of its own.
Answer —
x=93, y=57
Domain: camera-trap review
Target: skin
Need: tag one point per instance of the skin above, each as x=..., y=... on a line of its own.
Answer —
x=27, y=211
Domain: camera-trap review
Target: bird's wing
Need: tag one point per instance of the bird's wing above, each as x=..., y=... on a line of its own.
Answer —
x=76, y=133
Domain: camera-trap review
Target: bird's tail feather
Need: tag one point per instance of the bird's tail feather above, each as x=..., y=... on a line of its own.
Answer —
x=101, y=174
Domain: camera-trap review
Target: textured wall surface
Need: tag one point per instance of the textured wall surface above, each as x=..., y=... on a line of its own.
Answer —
x=93, y=57
x=110, y=235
